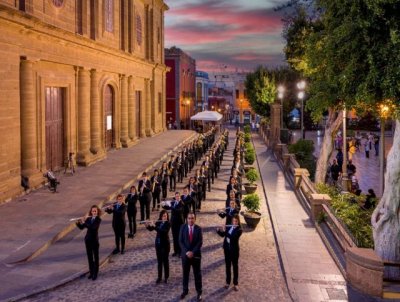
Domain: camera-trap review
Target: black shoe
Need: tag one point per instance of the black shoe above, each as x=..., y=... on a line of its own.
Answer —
x=183, y=295
x=158, y=281
x=199, y=297
x=116, y=251
x=122, y=252
x=166, y=281
x=174, y=254
x=90, y=277
x=94, y=277
x=130, y=235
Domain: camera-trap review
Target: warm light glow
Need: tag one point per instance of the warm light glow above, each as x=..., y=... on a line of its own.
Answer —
x=241, y=100
x=281, y=89
x=300, y=95
x=188, y=102
x=280, y=95
x=301, y=85
x=219, y=110
x=212, y=107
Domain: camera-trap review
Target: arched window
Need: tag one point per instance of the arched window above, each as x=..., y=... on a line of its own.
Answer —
x=109, y=15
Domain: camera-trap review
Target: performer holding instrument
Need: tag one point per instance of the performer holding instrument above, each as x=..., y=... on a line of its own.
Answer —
x=118, y=223
x=164, y=179
x=229, y=212
x=231, y=250
x=176, y=208
x=131, y=200
x=172, y=173
x=156, y=189
x=145, y=196
x=162, y=244
x=92, y=221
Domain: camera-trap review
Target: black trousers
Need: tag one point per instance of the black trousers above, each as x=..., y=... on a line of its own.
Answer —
x=92, y=251
x=156, y=198
x=132, y=221
x=163, y=260
x=119, y=232
x=144, y=207
x=181, y=173
x=231, y=261
x=172, y=180
x=199, y=199
x=175, y=236
x=164, y=186
x=196, y=264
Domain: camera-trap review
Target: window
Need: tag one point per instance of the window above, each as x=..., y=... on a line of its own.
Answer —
x=159, y=102
x=138, y=30
x=58, y=3
x=108, y=15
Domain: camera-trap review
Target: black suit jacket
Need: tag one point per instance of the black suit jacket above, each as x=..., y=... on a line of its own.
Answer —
x=146, y=191
x=176, y=212
x=131, y=201
x=195, y=245
x=162, y=238
x=232, y=245
x=118, y=215
x=92, y=234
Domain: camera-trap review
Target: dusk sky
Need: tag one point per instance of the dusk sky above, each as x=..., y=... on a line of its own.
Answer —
x=238, y=34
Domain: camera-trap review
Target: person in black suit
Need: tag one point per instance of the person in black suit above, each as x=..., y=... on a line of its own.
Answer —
x=191, y=241
x=177, y=209
x=118, y=223
x=92, y=221
x=156, y=189
x=145, y=196
x=231, y=250
x=162, y=244
x=131, y=201
x=232, y=186
x=193, y=188
x=232, y=197
x=229, y=212
x=172, y=173
x=187, y=202
x=199, y=183
x=164, y=179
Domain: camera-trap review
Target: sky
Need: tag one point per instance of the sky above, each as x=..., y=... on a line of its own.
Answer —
x=226, y=34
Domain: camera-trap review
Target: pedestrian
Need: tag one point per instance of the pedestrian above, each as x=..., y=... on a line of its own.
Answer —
x=92, y=221
x=339, y=158
x=162, y=245
x=351, y=168
x=145, y=197
x=176, y=207
x=367, y=148
x=370, y=200
x=131, y=201
x=335, y=171
x=118, y=210
x=376, y=145
x=352, y=149
x=191, y=241
x=231, y=247
x=257, y=126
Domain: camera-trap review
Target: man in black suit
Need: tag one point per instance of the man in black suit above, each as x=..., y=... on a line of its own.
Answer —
x=191, y=241
x=145, y=196
x=118, y=223
x=172, y=173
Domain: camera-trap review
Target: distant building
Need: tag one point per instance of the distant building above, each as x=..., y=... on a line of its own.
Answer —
x=202, y=85
x=78, y=77
x=180, y=87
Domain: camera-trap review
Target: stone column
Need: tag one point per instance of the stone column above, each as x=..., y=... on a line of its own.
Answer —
x=316, y=202
x=143, y=112
x=95, y=114
x=29, y=139
x=147, y=105
x=83, y=156
x=275, y=123
x=124, y=111
x=131, y=110
x=153, y=103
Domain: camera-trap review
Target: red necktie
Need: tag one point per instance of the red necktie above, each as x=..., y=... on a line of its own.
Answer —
x=190, y=234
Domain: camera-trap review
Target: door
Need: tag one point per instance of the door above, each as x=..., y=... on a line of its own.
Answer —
x=138, y=96
x=54, y=123
x=108, y=117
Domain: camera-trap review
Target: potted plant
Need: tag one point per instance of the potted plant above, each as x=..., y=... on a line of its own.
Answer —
x=249, y=157
x=252, y=176
x=251, y=215
x=247, y=137
x=247, y=129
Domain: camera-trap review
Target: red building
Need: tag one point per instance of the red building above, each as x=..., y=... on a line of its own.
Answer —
x=180, y=87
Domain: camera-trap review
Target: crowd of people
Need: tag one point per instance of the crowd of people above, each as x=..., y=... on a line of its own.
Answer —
x=179, y=214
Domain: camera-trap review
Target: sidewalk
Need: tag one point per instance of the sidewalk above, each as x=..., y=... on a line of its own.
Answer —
x=131, y=277
x=311, y=273
x=34, y=221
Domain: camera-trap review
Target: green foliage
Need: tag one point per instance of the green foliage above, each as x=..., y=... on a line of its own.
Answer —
x=261, y=90
x=303, y=150
x=252, y=176
x=247, y=129
x=252, y=202
x=250, y=156
x=247, y=137
x=347, y=208
x=248, y=146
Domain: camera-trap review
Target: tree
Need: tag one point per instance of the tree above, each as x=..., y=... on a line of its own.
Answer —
x=261, y=90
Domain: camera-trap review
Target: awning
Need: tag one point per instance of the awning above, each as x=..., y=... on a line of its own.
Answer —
x=207, y=116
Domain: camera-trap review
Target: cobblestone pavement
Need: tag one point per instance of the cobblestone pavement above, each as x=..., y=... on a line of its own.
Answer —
x=131, y=277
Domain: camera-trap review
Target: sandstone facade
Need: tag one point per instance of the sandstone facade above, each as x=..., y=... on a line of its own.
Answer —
x=78, y=77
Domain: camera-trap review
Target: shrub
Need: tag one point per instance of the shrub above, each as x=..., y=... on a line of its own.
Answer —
x=250, y=157
x=248, y=147
x=346, y=207
x=247, y=137
x=252, y=176
x=252, y=202
x=247, y=129
x=303, y=150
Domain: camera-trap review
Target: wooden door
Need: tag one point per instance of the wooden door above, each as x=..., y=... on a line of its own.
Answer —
x=108, y=117
x=138, y=97
x=54, y=123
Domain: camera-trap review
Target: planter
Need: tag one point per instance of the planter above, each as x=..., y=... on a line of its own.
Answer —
x=252, y=218
x=248, y=167
x=250, y=188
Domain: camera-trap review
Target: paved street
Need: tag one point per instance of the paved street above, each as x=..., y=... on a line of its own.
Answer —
x=131, y=277
x=35, y=220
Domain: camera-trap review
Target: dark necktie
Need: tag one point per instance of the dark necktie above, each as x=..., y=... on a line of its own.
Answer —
x=190, y=234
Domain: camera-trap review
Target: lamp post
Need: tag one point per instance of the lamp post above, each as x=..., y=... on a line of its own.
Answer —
x=384, y=112
x=345, y=178
x=301, y=86
x=281, y=91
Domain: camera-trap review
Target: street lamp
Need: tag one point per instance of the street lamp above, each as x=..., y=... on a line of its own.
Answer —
x=384, y=113
x=281, y=91
x=345, y=179
x=212, y=107
x=300, y=96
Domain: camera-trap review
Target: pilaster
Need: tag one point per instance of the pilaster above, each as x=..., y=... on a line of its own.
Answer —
x=124, y=111
x=83, y=156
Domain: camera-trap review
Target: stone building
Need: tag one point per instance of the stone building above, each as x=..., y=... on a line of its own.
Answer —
x=181, y=81
x=80, y=77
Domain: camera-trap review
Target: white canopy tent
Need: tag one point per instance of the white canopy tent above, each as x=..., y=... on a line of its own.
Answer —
x=207, y=116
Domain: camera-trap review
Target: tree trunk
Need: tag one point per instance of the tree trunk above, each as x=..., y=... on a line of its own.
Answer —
x=386, y=217
x=332, y=125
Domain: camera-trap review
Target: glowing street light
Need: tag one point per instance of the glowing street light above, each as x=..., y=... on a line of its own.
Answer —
x=300, y=95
